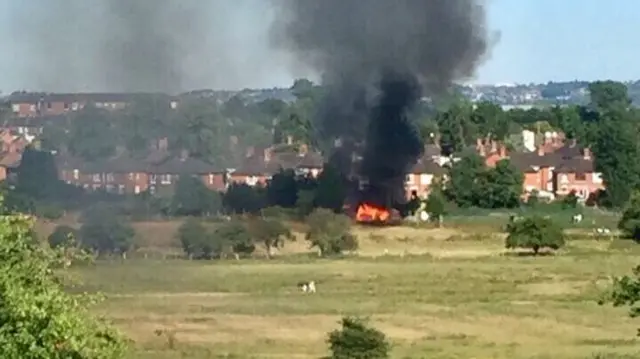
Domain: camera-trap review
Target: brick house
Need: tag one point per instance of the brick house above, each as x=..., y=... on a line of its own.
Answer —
x=421, y=176
x=259, y=165
x=33, y=104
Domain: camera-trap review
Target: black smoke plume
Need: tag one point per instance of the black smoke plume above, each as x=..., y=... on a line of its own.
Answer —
x=377, y=58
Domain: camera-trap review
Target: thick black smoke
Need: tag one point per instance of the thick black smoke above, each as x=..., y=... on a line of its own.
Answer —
x=377, y=58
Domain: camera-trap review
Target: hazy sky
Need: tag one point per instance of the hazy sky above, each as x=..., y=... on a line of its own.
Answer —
x=540, y=40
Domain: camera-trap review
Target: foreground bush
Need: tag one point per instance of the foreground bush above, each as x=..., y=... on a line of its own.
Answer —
x=39, y=319
x=630, y=222
x=356, y=340
x=626, y=292
x=534, y=233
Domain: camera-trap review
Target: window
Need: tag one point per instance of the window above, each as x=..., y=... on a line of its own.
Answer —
x=137, y=176
x=153, y=179
x=596, y=178
x=32, y=108
x=121, y=189
x=75, y=106
x=15, y=107
x=130, y=176
x=66, y=105
x=581, y=176
x=425, y=178
x=110, y=188
x=408, y=179
x=251, y=180
x=564, y=179
x=110, y=177
x=210, y=179
x=165, y=179
x=49, y=105
x=152, y=190
x=96, y=177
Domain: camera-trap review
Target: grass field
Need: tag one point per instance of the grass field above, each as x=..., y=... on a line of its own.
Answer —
x=452, y=295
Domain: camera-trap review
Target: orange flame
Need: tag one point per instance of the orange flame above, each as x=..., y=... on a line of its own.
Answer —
x=368, y=212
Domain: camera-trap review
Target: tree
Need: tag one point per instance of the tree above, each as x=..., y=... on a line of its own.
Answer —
x=625, y=292
x=630, y=222
x=236, y=236
x=39, y=318
x=330, y=192
x=357, y=340
x=283, y=189
x=92, y=135
x=501, y=186
x=271, y=232
x=465, y=182
x=534, y=233
x=242, y=198
x=330, y=232
x=37, y=176
x=104, y=231
x=305, y=202
x=62, y=235
x=608, y=94
x=436, y=205
x=570, y=201
x=193, y=198
x=195, y=240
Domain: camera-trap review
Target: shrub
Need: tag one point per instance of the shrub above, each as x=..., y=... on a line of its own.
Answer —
x=104, y=231
x=194, y=237
x=270, y=232
x=330, y=232
x=534, y=233
x=49, y=211
x=630, y=222
x=39, y=318
x=626, y=292
x=356, y=340
x=234, y=236
x=62, y=236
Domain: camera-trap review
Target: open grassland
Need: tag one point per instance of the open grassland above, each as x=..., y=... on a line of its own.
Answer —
x=458, y=296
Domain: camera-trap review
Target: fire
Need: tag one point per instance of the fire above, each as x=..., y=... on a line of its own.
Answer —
x=368, y=212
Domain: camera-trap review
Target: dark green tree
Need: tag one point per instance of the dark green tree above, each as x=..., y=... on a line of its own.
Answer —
x=331, y=191
x=193, y=198
x=501, y=187
x=62, y=235
x=283, y=189
x=330, y=232
x=534, y=233
x=242, y=198
x=630, y=222
x=104, y=231
x=270, y=232
x=92, y=135
x=465, y=183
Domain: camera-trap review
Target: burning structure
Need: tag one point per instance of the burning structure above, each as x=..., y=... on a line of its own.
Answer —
x=377, y=59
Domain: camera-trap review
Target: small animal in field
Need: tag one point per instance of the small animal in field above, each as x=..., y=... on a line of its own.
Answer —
x=577, y=218
x=603, y=230
x=307, y=287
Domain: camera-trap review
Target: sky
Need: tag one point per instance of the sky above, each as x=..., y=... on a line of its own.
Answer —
x=539, y=41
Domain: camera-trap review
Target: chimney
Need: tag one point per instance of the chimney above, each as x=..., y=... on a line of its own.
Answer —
x=184, y=154
x=163, y=144
x=541, y=150
x=480, y=147
x=587, y=153
x=494, y=146
x=304, y=149
x=503, y=151
x=251, y=151
x=267, y=154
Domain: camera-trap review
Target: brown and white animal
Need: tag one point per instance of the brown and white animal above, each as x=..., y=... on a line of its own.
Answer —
x=307, y=287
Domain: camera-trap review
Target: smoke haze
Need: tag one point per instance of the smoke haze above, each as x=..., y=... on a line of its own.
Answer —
x=376, y=58
x=142, y=45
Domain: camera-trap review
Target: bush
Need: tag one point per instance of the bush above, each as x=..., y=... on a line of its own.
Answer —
x=626, y=292
x=330, y=232
x=39, y=318
x=235, y=237
x=356, y=340
x=534, y=233
x=104, y=231
x=62, y=235
x=195, y=240
x=630, y=222
x=270, y=232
